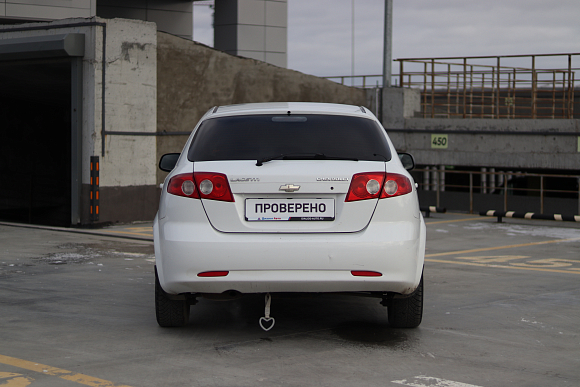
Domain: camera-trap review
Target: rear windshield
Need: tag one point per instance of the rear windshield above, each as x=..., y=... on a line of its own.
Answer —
x=264, y=136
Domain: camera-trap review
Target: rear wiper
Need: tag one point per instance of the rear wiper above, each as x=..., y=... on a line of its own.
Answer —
x=302, y=156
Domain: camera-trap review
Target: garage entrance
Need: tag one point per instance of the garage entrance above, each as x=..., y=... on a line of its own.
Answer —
x=35, y=150
x=39, y=131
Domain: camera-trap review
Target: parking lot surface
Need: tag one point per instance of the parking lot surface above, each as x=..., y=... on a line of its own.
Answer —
x=502, y=306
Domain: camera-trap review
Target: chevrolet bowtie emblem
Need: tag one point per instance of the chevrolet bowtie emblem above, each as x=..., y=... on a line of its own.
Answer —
x=289, y=188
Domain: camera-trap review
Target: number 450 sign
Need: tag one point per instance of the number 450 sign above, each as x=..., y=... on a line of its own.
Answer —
x=439, y=141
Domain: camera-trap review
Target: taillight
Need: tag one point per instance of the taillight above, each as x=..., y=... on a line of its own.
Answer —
x=377, y=185
x=204, y=185
x=396, y=185
x=365, y=186
x=183, y=185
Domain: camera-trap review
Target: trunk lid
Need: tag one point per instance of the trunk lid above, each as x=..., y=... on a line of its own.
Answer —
x=289, y=196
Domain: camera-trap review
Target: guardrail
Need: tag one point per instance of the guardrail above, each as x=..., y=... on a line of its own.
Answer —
x=490, y=181
x=364, y=81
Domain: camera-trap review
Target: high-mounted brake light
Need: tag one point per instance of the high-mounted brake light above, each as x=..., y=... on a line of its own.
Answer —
x=204, y=185
x=370, y=185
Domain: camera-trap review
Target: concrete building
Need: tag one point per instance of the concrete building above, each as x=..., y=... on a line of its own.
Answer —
x=251, y=28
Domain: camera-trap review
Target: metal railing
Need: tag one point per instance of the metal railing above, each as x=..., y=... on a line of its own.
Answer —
x=364, y=81
x=533, y=86
x=468, y=87
x=491, y=182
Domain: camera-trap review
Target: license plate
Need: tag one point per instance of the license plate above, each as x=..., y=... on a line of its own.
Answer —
x=290, y=209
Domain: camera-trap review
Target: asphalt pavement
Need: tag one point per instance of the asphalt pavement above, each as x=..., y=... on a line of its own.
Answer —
x=502, y=306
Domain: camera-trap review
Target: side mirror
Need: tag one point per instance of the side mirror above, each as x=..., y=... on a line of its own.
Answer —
x=168, y=161
x=407, y=160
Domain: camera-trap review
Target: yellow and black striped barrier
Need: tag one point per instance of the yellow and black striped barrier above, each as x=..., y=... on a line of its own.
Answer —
x=428, y=210
x=529, y=215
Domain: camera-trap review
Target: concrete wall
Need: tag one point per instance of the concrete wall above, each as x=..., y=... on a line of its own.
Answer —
x=503, y=143
x=128, y=167
x=192, y=78
x=490, y=145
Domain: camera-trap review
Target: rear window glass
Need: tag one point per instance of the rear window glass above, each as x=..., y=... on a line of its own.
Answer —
x=263, y=136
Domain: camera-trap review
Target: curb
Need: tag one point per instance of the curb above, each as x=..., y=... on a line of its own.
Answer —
x=76, y=231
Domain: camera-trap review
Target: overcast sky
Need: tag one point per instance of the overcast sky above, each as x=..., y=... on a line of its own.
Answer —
x=320, y=31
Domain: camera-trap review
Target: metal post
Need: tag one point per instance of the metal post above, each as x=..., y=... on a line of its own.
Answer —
x=470, y=193
x=388, y=44
x=377, y=109
x=534, y=86
x=94, y=190
x=432, y=88
x=448, y=89
x=401, y=75
x=464, y=87
x=542, y=194
x=498, y=86
x=425, y=80
x=352, y=48
x=437, y=172
x=505, y=187
x=570, y=90
x=493, y=93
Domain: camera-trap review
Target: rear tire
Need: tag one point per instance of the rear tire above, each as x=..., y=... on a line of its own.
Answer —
x=407, y=312
x=169, y=313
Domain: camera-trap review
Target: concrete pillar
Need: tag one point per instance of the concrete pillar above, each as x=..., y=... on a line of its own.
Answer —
x=254, y=29
x=434, y=178
x=399, y=104
x=426, y=180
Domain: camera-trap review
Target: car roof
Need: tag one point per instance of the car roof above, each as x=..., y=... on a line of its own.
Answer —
x=293, y=107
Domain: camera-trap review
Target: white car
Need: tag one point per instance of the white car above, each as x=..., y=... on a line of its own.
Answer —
x=289, y=198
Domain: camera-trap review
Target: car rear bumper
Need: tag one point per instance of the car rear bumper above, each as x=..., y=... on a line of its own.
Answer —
x=316, y=262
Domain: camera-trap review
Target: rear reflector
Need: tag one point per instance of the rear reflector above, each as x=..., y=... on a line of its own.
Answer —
x=364, y=273
x=213, y=274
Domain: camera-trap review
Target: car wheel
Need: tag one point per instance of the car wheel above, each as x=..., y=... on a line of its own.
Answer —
x=407, y=312
x=170, y=313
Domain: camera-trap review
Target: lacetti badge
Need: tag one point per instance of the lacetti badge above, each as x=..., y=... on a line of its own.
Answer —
x=245, y=180
x=332, y=179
